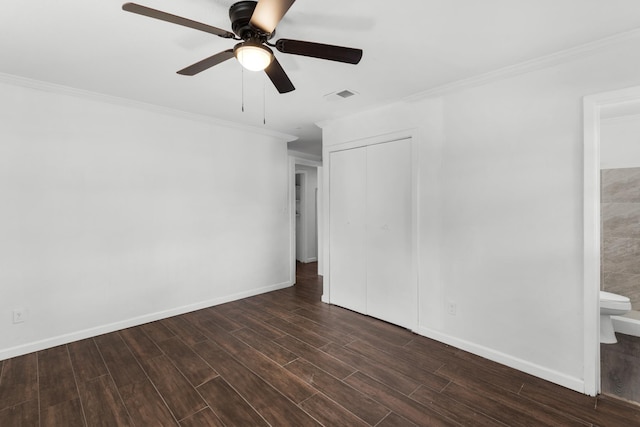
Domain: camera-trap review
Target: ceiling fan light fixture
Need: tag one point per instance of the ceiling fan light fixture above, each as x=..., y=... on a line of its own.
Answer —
x=254, y=22
x=253, y=56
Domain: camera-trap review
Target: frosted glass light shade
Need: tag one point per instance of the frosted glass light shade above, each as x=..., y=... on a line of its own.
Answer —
x=253, y=57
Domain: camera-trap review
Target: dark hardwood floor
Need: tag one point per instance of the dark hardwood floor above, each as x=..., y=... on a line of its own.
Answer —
x=282, y=359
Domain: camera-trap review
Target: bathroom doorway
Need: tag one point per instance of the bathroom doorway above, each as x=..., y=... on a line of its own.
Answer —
x=601, y=165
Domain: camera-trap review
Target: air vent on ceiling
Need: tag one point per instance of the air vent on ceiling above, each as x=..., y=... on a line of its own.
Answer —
x=345, y=94
x=340, y=95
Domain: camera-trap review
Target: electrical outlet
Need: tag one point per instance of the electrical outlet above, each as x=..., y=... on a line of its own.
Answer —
x=452, y=308
x=19, y=315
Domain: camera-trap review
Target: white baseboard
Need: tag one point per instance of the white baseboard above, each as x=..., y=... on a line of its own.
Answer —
x=135, y=321
x=555, y=377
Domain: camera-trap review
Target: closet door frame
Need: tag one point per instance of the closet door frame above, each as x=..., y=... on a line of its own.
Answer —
x=412, y=135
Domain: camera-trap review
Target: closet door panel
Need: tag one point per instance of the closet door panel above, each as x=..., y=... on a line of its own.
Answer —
x=391, y=287
x=347, y=213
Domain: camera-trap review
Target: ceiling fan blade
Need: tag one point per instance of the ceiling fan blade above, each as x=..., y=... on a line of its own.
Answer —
x=164, y=16
x=319, y=50
x=278, y=77
x=207, y=63
x=268, y=14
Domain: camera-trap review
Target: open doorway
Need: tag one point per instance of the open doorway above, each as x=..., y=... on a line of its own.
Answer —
x=306, y=191
x=599, y=160
x=306, y=219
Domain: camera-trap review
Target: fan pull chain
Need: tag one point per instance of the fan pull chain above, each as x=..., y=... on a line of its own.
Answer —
x=243, y=89
x=264, y=102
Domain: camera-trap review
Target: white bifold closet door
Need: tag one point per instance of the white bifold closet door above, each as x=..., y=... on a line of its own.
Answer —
x=347, y=216
x=391, y=293
x=371, y=258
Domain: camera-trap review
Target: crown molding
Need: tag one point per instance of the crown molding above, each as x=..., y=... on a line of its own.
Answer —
x=526, y=66
x=130, y=103
x=499, y=74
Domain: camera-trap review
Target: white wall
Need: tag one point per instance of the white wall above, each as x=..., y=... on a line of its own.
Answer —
x=310, y=251
x=114, y=215
x=620, y=142
x=500, y=209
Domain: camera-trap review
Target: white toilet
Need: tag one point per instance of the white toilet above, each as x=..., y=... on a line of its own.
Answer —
x=611, y=305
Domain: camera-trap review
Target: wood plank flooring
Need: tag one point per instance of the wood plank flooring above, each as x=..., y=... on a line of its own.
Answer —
x=282, y=359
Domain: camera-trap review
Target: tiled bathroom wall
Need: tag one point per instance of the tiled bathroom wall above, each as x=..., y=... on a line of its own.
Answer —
x=620, y=216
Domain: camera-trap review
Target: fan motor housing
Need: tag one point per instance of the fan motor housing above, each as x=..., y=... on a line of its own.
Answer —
x=240, y=15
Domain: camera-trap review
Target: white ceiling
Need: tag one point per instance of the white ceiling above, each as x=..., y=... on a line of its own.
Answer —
x=409, y=46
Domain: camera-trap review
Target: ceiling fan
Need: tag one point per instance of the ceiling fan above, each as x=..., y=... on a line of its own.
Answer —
x=254, y=22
